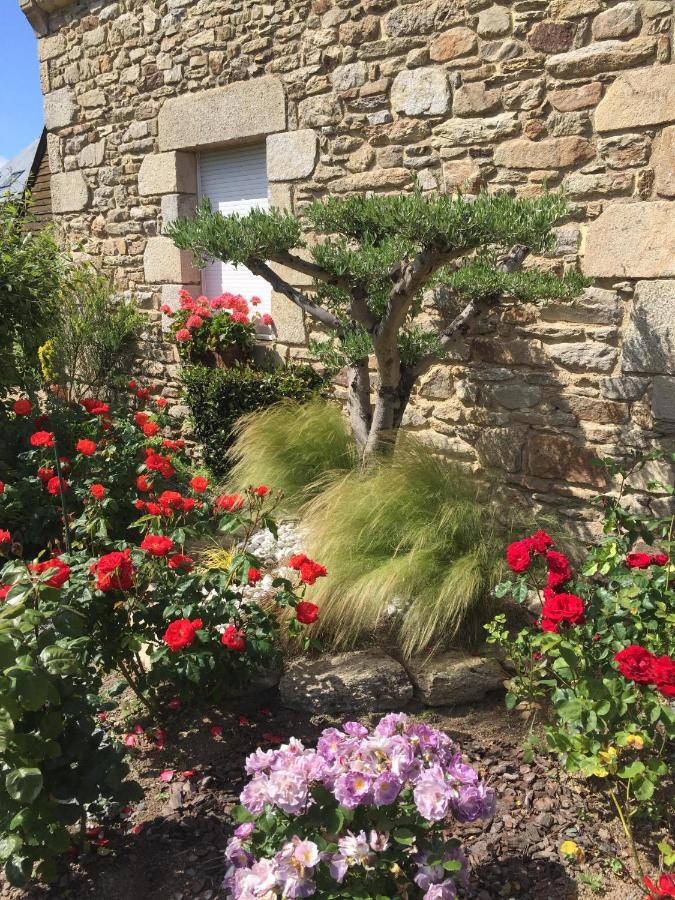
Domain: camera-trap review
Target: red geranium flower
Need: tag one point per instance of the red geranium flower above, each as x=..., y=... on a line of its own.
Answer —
x=199, y=483
x=663, y=673
x=57, y=485
x=61, y=573
x=114, y=571
x=636, y=664
x=562, y=609
x=42, y=439
x=23, y=407
x=97, y=491
x=181, y=633
x=233, y=639
x=638, y=560
x=306, y=612
x=157, y=544
x=254, y=575
x=86, y=447
x=518, y=556
x=180, y=561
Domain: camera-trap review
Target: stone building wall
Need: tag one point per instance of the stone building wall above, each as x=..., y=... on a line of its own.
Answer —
x=369, y=95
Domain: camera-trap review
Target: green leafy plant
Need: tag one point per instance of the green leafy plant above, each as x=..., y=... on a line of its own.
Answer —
x=412, y=546
x=599, y=663
x=219, y=397
x=295, y=446
x=218, y=328
x=377, y=257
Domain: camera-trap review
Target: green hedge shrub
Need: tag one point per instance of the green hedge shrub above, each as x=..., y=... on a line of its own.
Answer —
x=218, y=397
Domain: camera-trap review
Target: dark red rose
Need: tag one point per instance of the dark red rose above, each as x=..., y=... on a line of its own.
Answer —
x=60, y=569
x=638, y=560
x=310, y=571
x=254, y=575
x=659, y=559
x=636, y=664
x=181, y=633
x=86, y=447
x=57, y=486
x=663, y=672
x=306, y=612
x=540, y=542
x=180, y=561
x=97, y=491
x=157, y=545
x=563, y=609
x=518, y=556
x=114, y=571
x=234, y=639
x=42, y=439
x=23, y=407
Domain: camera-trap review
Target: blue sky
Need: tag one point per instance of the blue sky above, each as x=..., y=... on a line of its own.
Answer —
x=20, y=97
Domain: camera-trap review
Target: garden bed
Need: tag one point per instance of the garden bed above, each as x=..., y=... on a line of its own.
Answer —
x=175, y=850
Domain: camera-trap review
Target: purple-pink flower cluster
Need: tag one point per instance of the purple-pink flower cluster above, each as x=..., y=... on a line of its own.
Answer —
x=399, y=763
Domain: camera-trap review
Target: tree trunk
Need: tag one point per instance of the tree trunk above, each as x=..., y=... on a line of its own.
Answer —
x=358, y=402
x=383, y=431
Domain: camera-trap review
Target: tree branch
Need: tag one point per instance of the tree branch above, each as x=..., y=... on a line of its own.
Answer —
x=307, y=267
x=294, y=295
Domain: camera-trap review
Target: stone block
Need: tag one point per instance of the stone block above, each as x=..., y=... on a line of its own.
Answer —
x=605, y=56
x=164, y=263
x=622, y=151
x=596, y=306
x=178, y=206
x=663, y=162
x=552, y=37
x=373, y=180
x=462, y=132
x=663, y=402
x=474, y=99
x=551, y=153
x=225, y=115
x=623, y=387
x=643, y=97
x=560, y=458
x=649, y=339
x=494, y=21
x=578, y=186
x=291, y=155
x=455, y=678
x=364, y=681
x=620, y=21
x=513, y=394
x=280, y=196
x=527, y=94
x=632, y=240
x=351, y=75
x=572, y=99
x=574, y=9
x=584, y=356
x=421, y=92
x=92, y=155
x=462, y=174
x=452, y=44
x=501, y=448
x=289, y=320
x=70, y=192
x=59, y=109
x=51, y=47
x=319, y=112
x=168, y=173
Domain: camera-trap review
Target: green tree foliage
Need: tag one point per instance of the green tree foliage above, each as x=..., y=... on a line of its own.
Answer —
x=371, y=268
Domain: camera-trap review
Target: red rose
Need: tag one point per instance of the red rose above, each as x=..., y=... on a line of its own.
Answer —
x=180, y=561
x=254, y=575
x=5, y=536
x=57, y=486
x=132, y=384
x=635, y=664
x=540, y=542
x=199, y=484
x=666, y=887
x=158, y=463
x=233, y=639
x=162, y=402
x=85, y=447
x=518, y=556
x=2, y=487
x=23, y=407
x=153, y=509
x=45, y=474
x=141, y=419
x=663, y=672
x=558, y=569
x=97, y=491
x=114, y=571
x=42, y=439
x=4, y=590
x=261, y=490
x=561, y=609
x=95, y=407
x=150, y=429
x=306, y=612
x=659, y=559
x=181, y=633
x=139, y=504
x=229, y=502
x=61, y=573
x=296, y=561
x=157, y=544
x=638, y=560
x=310, y=571
x=142, y=483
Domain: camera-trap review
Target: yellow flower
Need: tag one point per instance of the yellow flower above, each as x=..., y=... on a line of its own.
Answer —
x=46, y=358
x=636, y=741
x=571, y=850
x=608, y=757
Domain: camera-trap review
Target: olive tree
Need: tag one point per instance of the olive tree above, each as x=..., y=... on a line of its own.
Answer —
x=377, y=264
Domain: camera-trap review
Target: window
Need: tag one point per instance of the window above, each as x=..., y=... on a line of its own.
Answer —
x=235, y=180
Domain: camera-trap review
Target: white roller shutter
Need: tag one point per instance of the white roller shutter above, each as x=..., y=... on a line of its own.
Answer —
x=235, y=180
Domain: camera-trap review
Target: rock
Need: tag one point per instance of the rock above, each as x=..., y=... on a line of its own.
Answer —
x=663, y=162
x=623, y=387
x=649, y=340
x=663, y=401
x=355, y=683
x=574, y=9
x=416, y=19
x=555, y=456
x=463, y=174
x=576, y=98
x=584, y=356
x=350, y=76
x=643, y=97
x=552, y=37
x=601, y=57
x=588, y=409
x=622, y=151
x=164, y=263
x=92, y=155
x=478, y=131
x=70, y=192
x=455, y=678
x=501, y=448
x=620, y=21
x=474, y=98
x=437, y=384
x=578, y=186
x=421, y=92
x=243, y=110
x=174, y=172
x=317, y=112
x=596, y=306
x=553, y=153
x=514, y=395
x=372, y=180
x=620, y=242
x=357, y=33
x=527, y=94
x=453, y=43
x=59, y=109
x=494, y=22
x=291, y=155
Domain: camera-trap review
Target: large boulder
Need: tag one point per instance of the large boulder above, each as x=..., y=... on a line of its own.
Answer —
x=359, y=682
x=455, y=678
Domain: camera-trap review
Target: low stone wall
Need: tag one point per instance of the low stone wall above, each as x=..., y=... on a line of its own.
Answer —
x=371, y=95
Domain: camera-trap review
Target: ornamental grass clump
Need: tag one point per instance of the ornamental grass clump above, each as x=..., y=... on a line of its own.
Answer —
x=364, y=815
